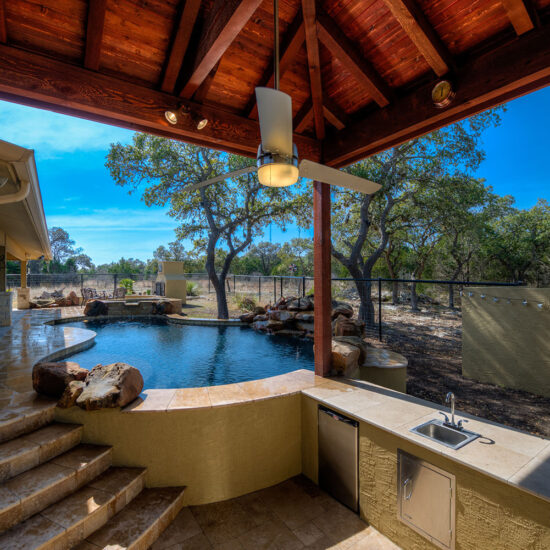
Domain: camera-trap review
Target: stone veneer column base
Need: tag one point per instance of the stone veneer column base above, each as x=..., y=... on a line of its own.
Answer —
x=5, y=309
x=23, y=298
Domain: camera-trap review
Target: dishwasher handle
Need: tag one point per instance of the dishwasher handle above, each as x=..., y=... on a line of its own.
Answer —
x=338, y=416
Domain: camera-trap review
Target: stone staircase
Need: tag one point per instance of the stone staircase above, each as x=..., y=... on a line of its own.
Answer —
x=57, y=493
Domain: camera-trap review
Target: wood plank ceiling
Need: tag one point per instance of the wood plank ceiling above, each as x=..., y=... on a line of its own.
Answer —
x=360, y=72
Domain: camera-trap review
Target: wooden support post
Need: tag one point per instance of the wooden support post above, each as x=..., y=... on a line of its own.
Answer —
x=3, y=269
x=322, y=278
x=23, y=265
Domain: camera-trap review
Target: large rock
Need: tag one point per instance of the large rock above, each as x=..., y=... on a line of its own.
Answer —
x=345, y=357
x=163, y=307
x=260, y=325
x=306, y=316
x=247, y=317
x=51, y=378
x=274, y=326
x=260, y=317
x=95, y=307
x=71, y=394
x=259, y=310
x=73, y=298
x=356, y=341
x=341, y=308
x=300, y=304
x=109, y=386
x=342, y=326
x=285, y=316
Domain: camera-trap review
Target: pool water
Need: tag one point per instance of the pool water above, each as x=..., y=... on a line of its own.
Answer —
x=184, y=356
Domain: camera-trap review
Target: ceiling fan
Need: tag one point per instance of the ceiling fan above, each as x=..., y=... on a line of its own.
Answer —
x=277, y=159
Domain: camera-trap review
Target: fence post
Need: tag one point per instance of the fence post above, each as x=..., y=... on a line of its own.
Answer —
x=274, y=290
x=379, y=309
x=234, y=284
x=259, y=287
x=303, y=287
x=281, y=286
x=115, y=279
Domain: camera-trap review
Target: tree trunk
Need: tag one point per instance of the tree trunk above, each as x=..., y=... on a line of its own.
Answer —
x=451, y=296
x=395, y=293
x=221, y=298
x=414, y=298
x=366, y=305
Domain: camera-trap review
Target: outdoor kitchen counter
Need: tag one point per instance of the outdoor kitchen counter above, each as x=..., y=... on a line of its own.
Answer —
x=508, y=455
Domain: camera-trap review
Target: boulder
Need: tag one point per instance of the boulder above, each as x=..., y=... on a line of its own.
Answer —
x=110, y=386
x=259, y=310
x=163, y=307
x=356, y=341
x=274, y=326
x=73, y=298
x=262, y=317
x=284, y=316
x=95, y=307
x=51, y=378
x=341, y=308
x=345, y=357
x=301, y=304
x=71, y=394
x=302, y=325
x=260, y=325
x=342, y=326
x=306, y=316
x=247, y=317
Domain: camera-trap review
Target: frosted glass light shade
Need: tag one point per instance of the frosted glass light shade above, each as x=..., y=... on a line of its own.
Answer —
x=278, y=174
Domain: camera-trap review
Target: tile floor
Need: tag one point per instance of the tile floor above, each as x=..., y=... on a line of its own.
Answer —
x=292, y=515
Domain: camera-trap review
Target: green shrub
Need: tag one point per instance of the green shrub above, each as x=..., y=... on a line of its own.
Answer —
x=128, y=284
x=245, y=303
x=192, y=289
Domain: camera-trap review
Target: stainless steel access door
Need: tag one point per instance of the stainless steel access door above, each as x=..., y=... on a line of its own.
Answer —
x=338, y=457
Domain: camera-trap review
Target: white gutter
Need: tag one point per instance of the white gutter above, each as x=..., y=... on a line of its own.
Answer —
x=20, y=195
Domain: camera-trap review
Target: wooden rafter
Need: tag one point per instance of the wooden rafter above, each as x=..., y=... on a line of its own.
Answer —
x=303, y=117
x=314, y=65
x=519, y=15
x=94, y=33
x=491, y=79
x=334, y=114
x=352, y=59
x=420, y=31
x=180, y=44
x=3, y=28
x=204, y=88
x=228, y=19
x=293, y=41
x=46, y=83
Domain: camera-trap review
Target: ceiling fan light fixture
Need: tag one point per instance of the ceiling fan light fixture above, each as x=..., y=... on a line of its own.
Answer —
x=278, y=174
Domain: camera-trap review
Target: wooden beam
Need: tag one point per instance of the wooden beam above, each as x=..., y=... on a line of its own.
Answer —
x=512, y=70
x=293, y=41
x=204, y=88
x=303, y=117
x=334, y=114
x=94, y=33
x=314, y=65
x=417, y=26
x=519, y=16
x=228, y=17
x=352, y=59
x=179, y=45
x=39, y=81
x=322, y=280
x=3, y=28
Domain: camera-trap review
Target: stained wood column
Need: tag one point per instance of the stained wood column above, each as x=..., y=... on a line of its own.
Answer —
x=322, y=278
x=23, y=265
x=3, y=269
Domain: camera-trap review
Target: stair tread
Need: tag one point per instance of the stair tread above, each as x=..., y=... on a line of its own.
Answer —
x=24, y=415
x=65, y=520
x=27, y=451
x=142, y=519
x=31, y=491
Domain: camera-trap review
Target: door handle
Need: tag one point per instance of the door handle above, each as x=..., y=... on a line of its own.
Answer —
x=405, y=483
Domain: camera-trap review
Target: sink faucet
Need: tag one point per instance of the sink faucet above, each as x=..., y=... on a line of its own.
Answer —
x=450, y=399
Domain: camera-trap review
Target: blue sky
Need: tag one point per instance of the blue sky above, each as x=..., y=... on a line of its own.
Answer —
x=80, y=196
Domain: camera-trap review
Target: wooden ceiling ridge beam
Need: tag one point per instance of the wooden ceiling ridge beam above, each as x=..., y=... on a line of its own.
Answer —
x=180, y=43
x=353, y=60
x=518, y=13
x=420, y=31
x=228, y=17
x=294, y=39
x=3, y=27
x=314, y=65
x=516, y=68
x=39, y=81
x=94, y=33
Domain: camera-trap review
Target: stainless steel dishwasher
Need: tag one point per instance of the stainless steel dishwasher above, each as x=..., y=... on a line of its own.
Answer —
x=338, y=457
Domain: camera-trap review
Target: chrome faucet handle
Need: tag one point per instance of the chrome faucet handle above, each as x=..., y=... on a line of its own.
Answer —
x=460, y=422
x=445, y=416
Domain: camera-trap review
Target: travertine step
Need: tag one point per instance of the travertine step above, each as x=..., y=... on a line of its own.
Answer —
x=73, y=519
x=25, y=416
x=30, y=450
x=140, y=523
x=32, y=491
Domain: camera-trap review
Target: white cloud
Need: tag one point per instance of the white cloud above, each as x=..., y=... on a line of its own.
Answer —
x=53, y=134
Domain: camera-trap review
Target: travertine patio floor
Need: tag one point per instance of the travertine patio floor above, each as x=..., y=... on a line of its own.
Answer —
x=292, y=515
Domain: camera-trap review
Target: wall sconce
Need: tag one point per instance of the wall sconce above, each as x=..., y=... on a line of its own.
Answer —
x=182, y=112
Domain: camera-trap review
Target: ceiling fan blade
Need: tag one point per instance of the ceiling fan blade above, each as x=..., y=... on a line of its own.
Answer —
x=275, y=114
x=216, y=179
x=320, y=172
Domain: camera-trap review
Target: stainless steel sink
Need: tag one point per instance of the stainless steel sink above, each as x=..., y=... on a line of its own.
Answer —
x=436, y=430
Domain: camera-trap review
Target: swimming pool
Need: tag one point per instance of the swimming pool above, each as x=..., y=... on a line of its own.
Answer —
x=184, y=356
